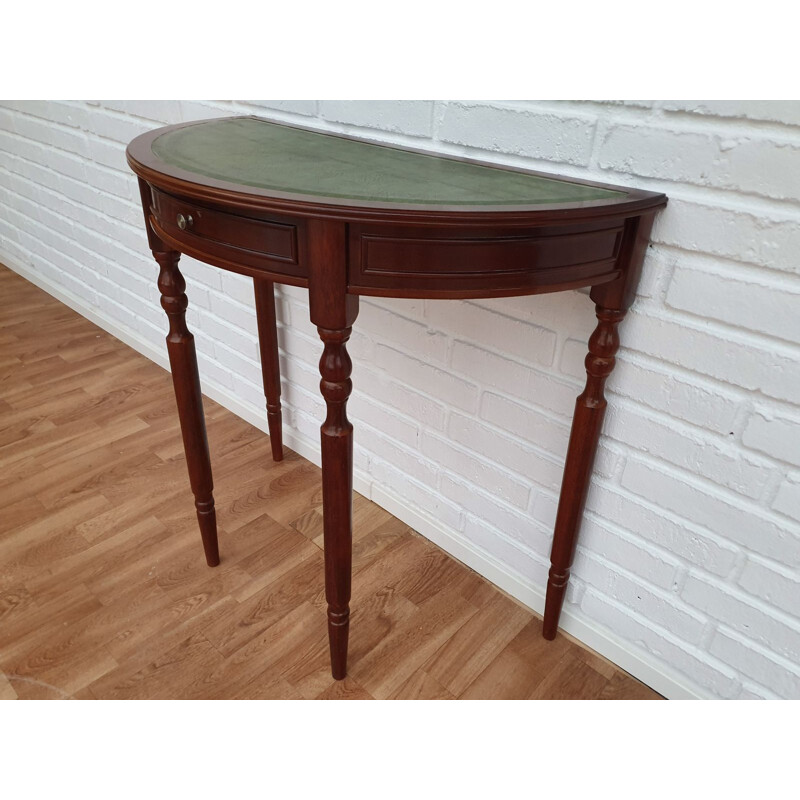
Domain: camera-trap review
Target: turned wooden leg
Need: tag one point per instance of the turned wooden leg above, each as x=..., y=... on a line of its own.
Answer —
x=334, y=311
x=337, y=491
x=589, y=411
x=186, y=380
x=270, y=367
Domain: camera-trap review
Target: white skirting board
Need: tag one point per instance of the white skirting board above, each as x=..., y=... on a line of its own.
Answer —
x=634, y=660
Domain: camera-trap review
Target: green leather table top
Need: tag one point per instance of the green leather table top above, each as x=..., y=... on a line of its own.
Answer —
x=254, y=152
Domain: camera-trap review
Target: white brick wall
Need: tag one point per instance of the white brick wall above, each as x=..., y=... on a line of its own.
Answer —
x=688, y=571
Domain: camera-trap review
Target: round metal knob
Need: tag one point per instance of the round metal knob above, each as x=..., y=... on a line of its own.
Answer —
x=185, y=222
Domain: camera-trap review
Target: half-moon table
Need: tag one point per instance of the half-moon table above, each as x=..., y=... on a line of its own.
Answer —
x=345, y=217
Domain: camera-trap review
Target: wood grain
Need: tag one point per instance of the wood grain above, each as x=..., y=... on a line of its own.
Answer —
x=104, y=593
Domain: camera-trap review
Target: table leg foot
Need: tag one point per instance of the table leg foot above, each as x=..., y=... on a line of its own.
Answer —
x=338, y=634
x=207, y=519
x=554, y=600
x=186, y=381
x=590, y=409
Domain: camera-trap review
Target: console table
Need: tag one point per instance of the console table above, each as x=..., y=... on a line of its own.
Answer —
x=344, y=217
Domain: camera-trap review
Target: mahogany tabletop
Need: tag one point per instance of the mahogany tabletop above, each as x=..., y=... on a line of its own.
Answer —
x=260, y=158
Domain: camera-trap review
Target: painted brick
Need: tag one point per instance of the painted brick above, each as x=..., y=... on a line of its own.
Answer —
x=203, y=273
x=211, y=369
x=470, y=465
x=764, y=308
x=688, y=398
x=53, y=111
x=774, y=672
x=745, y=526
x=768, y=239
x=608, y=460
x=512, y=378
x=192, y=110
x=237, y=315
x=785, y=111
x=621, y=549
x=654, y=152
x=538, y=135
x=756, y=165
x=108, y=153
x=308, y=108
x=409, y=117
x=751, y=691
x=300, y=399
x=162, y=112
x=114, y=183
x=408, y=460
x=573, y=359
x=420, y=407
x=235, y=338
x=236, y=287
x=253, y=394
x=62, y=137
x=572, y=312
x=526, y=423
x=507, y=335
x=662, y=608
x=532, y=566
x=362, y=409
x=787, y=501
x=118, y=127
x=762, y=166
x=664, y=438
x=238, y=364
x=415, y=493
x=383, y=324
x=439, y=383
x=485, y=506
x=716, y=677
x=732, y=608
x=57, y=160
x=773, y=583
x=508, y=451
x=749, y=363
x=684, y=539
x=775, y=434
x=300, y=348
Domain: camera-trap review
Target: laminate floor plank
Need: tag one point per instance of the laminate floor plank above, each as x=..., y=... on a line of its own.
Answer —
x=465, y=655
x=251, y=617
x=407, y=647
x=348, y=689
x=104, y=591
x=421, y=686
x=178, y=673
x=7, y=690
x=622, y=686
x=572, y=679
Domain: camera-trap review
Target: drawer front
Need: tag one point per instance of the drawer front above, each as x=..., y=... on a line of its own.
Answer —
x=273, y=244
x=383, y=257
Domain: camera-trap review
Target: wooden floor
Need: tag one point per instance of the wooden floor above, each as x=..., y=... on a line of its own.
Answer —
x=104, y=592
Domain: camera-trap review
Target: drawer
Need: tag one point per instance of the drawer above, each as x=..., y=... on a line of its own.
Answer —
x=386, y=257
x=270, y=243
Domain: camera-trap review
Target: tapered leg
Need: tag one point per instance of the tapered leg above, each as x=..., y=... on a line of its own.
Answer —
x=186, y=380
x=590, y=408
x=334, y=311
x=270, y=367
x=337, y=491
